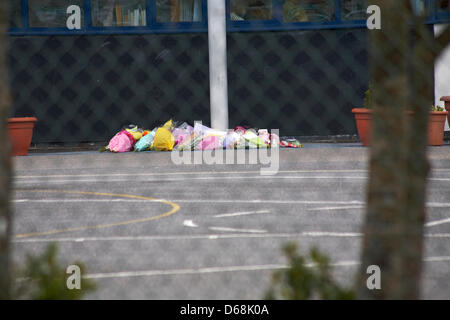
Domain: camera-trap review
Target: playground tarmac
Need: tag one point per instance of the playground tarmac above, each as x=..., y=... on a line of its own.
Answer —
x=147, y=228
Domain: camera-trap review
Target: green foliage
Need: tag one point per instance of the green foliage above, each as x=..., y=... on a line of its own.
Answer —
x=42, y=278
x=301, y=282
x=436, y=108
x=368, y=97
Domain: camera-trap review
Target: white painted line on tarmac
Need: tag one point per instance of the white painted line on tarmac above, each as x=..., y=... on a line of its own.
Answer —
x=126, y=274
x=438, y=204
x=213, y=178
x=312, y=234
x=143, y=178
x=186, y=173
x=438, y=222
x=188, y=179
x=335, y=208
x=197, y=172
x=357, y=204
x=331, y=234
x=437, y=259
x=235, y=214
x=149, y=273
x=266, y=201
x=192, y=237
x=438, y=235
x=237, y=230
x=81, y=200
x=186, y=201
x=189, y=223
x=353, y=204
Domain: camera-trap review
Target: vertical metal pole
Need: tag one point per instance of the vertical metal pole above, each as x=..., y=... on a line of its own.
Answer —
x=217, y=37
x=25, y=14
x=87, y=15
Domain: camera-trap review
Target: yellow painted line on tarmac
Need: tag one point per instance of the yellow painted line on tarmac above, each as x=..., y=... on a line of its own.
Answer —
x=175, y=208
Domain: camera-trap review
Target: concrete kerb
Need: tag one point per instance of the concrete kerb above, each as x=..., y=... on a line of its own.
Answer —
x=325, y=153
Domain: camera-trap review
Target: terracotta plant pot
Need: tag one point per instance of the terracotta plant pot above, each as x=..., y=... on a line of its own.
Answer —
x=362, y=117
x=20, y=132
x=436, y=125
x=446, y=100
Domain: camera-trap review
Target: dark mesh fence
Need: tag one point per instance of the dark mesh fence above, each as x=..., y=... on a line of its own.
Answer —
x=85, y=88
x=303, y=82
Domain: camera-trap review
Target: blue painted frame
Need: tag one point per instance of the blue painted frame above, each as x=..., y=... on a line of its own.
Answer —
x=276, y=24
x=152, y=25
x=439, y=16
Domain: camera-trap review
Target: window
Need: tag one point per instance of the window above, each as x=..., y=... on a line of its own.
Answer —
x=419, y=7
x=308, y=10
x=443, y=5
x=178, y=10
x=177, y=16
x=118, y=13
x=51, y=13
x=251, y=10
x=354, y=9
x=16, y=15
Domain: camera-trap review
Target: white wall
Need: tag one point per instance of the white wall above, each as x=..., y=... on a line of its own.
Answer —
x=442, y=74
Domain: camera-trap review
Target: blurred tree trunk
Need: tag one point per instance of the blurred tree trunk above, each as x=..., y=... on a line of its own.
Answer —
x=402, y=65
x=5, y=164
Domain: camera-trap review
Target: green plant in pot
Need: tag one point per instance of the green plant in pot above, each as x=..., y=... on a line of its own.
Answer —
x=368, y=97
x=436, y=121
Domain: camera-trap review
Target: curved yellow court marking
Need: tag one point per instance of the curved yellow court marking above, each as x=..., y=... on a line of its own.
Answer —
x=174, y=209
